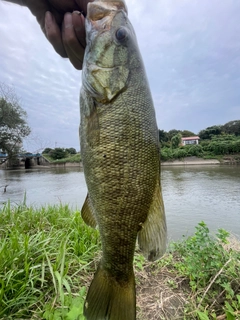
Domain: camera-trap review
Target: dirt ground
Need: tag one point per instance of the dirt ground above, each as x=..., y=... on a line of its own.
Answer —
x=163, y=294
x=160, y=294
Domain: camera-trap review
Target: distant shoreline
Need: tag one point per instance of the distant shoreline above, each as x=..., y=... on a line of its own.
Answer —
x=188, y=161
x=191, y=161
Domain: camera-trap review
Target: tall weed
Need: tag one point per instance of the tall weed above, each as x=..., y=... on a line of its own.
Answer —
x=45, y=255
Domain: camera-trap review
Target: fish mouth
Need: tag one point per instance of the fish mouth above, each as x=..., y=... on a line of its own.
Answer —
x=100, y=14
x=100, y=9
x=101, y=20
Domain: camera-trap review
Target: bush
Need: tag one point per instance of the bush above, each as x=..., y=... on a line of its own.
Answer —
x=180, y=153
x=195, y=150
x=58, y=153
x=195, y=253
x=166, y=154
x=212, y=271
x=71, y=151
x=220, y=147
x=235, y=146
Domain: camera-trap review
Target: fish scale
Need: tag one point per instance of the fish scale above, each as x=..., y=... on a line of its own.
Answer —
x=121, y=160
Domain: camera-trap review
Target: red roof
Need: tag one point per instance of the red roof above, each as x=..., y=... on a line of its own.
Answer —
x=191, y=138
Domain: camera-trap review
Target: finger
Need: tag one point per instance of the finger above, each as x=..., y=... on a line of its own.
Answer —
x=78, y=22
x=83, y=5
x=73, y=47
x=64, y=5
x=57, y=16
x=53, y=34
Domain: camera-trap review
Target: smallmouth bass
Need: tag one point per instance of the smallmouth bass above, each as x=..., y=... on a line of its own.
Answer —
x=121, y=159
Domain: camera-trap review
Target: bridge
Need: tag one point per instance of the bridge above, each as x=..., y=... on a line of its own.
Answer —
x=22, y=160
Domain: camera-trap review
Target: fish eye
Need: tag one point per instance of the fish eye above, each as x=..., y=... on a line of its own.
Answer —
x=121, y=34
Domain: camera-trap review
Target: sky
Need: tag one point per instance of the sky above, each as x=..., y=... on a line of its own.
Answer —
x=191, y=52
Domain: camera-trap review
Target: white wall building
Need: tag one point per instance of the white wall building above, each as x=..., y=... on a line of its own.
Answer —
x=190, y=140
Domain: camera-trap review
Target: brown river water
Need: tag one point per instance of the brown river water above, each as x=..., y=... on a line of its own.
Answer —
x=191, y=194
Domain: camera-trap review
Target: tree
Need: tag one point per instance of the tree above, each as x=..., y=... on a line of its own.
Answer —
x=57, y=153
x=187, y=133
x=71, y=150
x=176, y=140
x=232, y=127
x=172, y=133
x=13, y=124
x=163, y=136
x=209, y=132
x=47, y=150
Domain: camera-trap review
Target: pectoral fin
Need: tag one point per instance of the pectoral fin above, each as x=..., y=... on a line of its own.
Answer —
x=152, y=237
x=87, y=213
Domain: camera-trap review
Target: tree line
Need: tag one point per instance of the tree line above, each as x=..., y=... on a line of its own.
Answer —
x=59, y=153
x=231, y=127
x=216, y=140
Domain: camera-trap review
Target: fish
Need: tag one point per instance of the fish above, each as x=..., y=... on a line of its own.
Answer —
x=121, y=159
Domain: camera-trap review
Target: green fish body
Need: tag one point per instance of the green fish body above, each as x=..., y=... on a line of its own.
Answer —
x=121, y=159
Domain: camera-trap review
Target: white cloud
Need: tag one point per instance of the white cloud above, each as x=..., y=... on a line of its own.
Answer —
x=191, y=53
x=47, y=84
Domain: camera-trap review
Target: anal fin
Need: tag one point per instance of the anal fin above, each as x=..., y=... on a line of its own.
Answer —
x=87, y=213
x=152, y=237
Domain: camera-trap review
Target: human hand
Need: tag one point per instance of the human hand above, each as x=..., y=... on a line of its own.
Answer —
x=62, y=21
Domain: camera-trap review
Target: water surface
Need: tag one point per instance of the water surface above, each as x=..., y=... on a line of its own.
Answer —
x=191, y=194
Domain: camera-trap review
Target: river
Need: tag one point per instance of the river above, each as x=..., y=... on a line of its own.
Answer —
x=191, y=194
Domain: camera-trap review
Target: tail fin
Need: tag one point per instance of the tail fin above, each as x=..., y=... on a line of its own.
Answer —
x=107, y=299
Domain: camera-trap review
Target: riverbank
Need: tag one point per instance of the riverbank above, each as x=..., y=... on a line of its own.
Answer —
x=49, y=257
x=191, y=161
x=67, y=164
x=187, y=161
x=47, y=166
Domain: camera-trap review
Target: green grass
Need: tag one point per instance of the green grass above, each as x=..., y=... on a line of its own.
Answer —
x=70, y=158
x=46, y=256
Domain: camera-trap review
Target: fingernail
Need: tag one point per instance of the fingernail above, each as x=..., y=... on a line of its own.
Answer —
x=48, y=17
x=77, y=12
x=68, y=20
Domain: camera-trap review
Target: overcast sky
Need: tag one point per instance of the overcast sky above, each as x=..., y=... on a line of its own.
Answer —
x=191, y=51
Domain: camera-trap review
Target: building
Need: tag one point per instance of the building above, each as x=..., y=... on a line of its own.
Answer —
x=190, y=140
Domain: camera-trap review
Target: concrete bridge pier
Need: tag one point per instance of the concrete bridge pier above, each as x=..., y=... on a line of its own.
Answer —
x=26, y=161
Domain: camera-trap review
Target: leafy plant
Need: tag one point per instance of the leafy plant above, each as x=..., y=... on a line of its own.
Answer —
x=201, y=256
x=209, y=267
x=71, y=308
